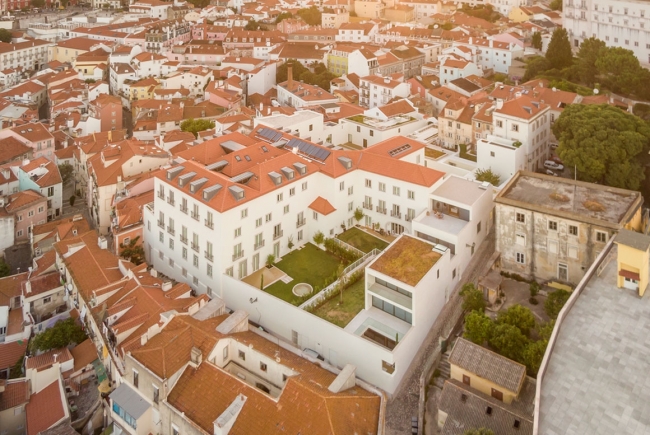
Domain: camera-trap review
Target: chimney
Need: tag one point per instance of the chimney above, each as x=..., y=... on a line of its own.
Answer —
x=289, y=77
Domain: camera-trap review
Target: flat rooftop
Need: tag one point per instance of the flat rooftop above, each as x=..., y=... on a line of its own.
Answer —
x=597, y=379
x=460, y=190
x=407, y=260
x=569, y=198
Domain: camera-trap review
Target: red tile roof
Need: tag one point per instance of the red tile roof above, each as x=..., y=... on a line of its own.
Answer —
x=15, y=394
x=47, y=359
x=11, y=352
x=45, y=409
x=322, y=206
x=84, y=354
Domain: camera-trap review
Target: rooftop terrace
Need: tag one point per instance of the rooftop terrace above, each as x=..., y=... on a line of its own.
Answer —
x=408, y=259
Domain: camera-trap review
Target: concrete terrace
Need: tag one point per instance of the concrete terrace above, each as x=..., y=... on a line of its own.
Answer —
x=597, y=381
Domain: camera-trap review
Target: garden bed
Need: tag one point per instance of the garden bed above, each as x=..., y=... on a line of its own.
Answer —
x=362, y=240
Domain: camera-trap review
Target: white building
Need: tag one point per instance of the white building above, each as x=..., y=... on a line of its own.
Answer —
x=501, y=156
x=378, y=91
x=491, y=54
x=505, y=6
x=452, y=69
x=42, y=175
x=528, y=122
x=28, y=54
x=617, y=23
x=304, y=124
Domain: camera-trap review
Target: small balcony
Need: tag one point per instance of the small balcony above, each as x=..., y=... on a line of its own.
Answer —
x=209, y=224
x=277, y=235
x=209, y=255
x=161, y=195
x=184, y=239
x=259, y=245
x=237, y=255
x=396, y=214
x=184, y=209
x=171, y=230
x=195, y=247
x=194, y=216
x=301, y=222
x=171, y=201
x=381, y=210
x=161, y=224
x=367, y=206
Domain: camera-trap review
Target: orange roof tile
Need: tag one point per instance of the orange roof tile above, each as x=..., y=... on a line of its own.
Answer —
x=47, y=359
x=11, y=352
x=45, y=409
x=16, y=393
x=322, y=206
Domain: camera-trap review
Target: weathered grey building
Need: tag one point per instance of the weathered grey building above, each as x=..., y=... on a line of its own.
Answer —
x=552, y=229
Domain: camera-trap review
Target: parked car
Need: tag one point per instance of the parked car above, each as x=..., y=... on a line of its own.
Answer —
x=557, y=160
x=550, y=164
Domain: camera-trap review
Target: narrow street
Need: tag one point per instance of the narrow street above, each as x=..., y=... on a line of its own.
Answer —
x=405, y=402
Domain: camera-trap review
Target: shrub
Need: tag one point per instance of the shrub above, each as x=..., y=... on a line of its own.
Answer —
x=478, y=327
x=534, y=289
x=472, y=298
x=518, y=316
x=555, y=301
x=319, y=238
x=72, y=200
x=344, y=254
x=533, y=301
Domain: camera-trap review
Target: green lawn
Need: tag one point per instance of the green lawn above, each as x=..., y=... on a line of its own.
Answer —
x=353, y=302
x=362, y=240
x=309, y=264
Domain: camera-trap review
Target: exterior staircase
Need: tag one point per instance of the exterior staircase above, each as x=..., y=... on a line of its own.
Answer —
x=444, y=369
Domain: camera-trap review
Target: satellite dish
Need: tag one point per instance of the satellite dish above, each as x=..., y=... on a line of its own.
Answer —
x=596, y=91
x=435, y=26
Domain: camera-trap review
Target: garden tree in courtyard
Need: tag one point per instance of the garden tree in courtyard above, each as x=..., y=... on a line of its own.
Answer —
x=5, y=270
x=559, y=53
x=520, y=317
x=537, y=41
x=133, y=251
x=585, y=64
x=194, y=126
x=555, y=301
x=508, y=341
x=472, y=298
x=62, y=334
x=319, y=238
x=620, y=71
x=478, y=327
x=358, y=214
x=533, y=355
x=311, y=16
x=66, y=170
x=283, y=16
x=488, y=175
x=556, y=5
x=605, y=144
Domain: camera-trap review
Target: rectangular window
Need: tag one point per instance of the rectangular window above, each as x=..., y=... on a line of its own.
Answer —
x=171, y=243
x=573, y=230
x=292, y=191
x=350, y=190
x=601, y=237
x=520, y=217
x=195, y=260
x=382, y=187
x=499, y=124
x=552, y=225
x=521, y=258
x=342, y=185
x=237, y=232
x=263, y=366
x=268, y=217
x=368, y=183
x=304, y=186
x=135, y=378
x=258, y=222
x=350, y=206
x=396, y=190
x=279, y=197
x=209, y=269
x=242, y=355
x=244, y=213
x=515, y=127
x=156, y=394
x=520, y=239
x=184, y=253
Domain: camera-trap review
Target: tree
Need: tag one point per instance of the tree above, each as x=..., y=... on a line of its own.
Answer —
x=62, y=334
x=555, y=301
x=536, y=66
x=533, y=355
x=5, y=35
x=556, y=5
x=590, y=50
x=5, y=269
x=533, y=288
x=559, y=53
x=254, y=25
x=481, y=431
x=488, y=175
x=270, y=260
x=283, y=16
x=478, y=327
x=544, y=331
x=537, y=41
x=508, y=341
x=17, y=369
x=619, y=70
x=194, y=126
x=66, y=170
x=472, y=298
x=518, y=316
x=319, y=238
x=311, y=16
x=605, y=144
x=133, y=251
x=358, y=214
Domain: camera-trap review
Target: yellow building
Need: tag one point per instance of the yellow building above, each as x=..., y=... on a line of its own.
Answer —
x=370, y=8
x=632, y=260
x=488, y=372
x=143, y=89
x=399, y=14
x=68, y=50
x=525, y=13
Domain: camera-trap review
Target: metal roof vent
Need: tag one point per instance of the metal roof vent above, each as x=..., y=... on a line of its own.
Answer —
x=185, y=178
x=196, y=184
x=210, y=192
x=173, y=172
x=288, y=172
x=275, y=177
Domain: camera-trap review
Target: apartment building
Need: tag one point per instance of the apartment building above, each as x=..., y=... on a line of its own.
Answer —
x=352, y=59
x=455, y=124
x=28, y=54
x=42, y=175
x=491, y=54
x=334, y=18
x=371, y=9
x=108, y=109
x=452, y=69
x=617, y=23
x=296, y=94
x=378, y=91
x=526, y=120
x=111, y=171
x=34, y=135
x=359, y=32
x=29, y=208
x=552, y=229
x=505, y=6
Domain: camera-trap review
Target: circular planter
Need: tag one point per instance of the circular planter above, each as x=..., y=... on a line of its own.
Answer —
x=302, y=289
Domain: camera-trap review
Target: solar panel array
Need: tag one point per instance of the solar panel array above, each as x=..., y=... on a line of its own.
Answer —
x=269, y=134
x=311, y=151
